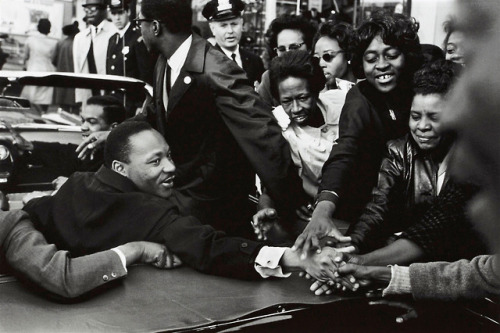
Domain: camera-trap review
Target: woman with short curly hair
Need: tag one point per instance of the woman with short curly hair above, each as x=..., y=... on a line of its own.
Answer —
x=386, y=53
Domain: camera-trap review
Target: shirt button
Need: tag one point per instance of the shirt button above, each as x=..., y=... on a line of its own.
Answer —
x=105, y=277
x=113, y=67
x=113, y=274
x=244, y=245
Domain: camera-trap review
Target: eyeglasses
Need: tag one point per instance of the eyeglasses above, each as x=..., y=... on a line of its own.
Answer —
x=92, y=9
x=328, y=57
x=138, y=21
x=291, y=47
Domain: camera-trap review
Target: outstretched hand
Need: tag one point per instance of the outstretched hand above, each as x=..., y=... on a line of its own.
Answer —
x=321, y=226
x=263, y=221
x=89, y=145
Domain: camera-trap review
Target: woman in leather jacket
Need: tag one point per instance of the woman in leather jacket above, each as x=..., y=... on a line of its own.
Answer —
x=413, y=172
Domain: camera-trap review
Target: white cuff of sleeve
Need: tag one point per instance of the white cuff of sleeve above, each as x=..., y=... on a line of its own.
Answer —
x=267, y=262
x=122, y=257
x=400, y=281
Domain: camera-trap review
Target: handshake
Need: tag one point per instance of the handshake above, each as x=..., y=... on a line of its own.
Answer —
x=334, y=270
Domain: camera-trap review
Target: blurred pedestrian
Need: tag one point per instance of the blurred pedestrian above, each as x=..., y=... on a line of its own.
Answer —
x=39, y=51
x=65, y=97
x=91, y=44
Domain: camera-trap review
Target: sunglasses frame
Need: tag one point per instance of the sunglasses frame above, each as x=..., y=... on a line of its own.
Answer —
x=329, y=56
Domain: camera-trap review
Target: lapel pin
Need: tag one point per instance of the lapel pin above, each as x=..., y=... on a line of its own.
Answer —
x=187, y=80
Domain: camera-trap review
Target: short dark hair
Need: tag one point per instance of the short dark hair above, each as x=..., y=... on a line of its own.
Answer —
x=114, y=111
x=175, y=15
x=431, y=53
x=300, y=64
x=117, y=147
x=435, y=77
x=44, y=26
x=291, y=22
x=342, y=32
x=396, y=30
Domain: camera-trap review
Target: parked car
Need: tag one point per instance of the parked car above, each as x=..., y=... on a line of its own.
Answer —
x=21, y=123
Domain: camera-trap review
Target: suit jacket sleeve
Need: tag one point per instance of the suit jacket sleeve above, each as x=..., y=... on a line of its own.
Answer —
x=32, y=258
x=264, y=90
x=354, y=119
x=460, y=280
x=371, y=223
x=205, y=249
x=257, y=133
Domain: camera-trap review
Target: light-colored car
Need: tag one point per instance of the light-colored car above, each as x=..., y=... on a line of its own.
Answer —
x=21, y=124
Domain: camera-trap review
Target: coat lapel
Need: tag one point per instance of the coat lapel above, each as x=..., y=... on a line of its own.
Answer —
x=194, y=64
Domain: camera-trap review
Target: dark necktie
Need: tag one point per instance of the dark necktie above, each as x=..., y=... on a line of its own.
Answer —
x=92, y=65
x=233, y=56
x=167, y=88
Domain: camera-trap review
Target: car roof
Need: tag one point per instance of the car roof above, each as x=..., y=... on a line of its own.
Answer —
x=73, y=80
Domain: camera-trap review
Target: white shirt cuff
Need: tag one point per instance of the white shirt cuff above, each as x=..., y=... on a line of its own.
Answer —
x=267, y=262
x=122, y=257
x=400, y=281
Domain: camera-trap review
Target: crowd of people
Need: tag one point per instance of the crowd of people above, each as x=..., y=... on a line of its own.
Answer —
x=369, y=148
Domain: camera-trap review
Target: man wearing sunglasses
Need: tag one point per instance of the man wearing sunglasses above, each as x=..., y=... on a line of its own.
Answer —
x=226, y=24
x=127, y=55
x=90, y=45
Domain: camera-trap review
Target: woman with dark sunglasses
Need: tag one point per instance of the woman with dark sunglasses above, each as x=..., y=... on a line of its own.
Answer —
x=386, y=53
x=331, y=47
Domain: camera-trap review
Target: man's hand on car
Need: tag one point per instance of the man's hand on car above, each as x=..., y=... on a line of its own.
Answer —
x=155, y=254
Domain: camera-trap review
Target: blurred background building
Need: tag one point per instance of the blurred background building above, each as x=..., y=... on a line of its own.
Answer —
x=18, y=18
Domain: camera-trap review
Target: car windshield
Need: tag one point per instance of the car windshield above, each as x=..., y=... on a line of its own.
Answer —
x=49, y=98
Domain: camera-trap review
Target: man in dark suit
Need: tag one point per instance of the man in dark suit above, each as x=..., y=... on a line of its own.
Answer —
x=127, y=55
x=130, y=199
x=219, y=131
x=226, y=23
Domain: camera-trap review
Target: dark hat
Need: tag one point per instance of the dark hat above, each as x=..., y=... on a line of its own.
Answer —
x=221, y=10
x=71, y=29
x=102, y=3
x=119, y=4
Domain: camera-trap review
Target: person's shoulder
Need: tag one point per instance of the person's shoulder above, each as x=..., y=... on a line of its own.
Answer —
x=401, y=147
x=249, y=54
x=218, y=62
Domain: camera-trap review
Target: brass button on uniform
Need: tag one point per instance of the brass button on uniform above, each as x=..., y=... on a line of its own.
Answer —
x=113, y=274
x=244, y=245
x=113, y=67
x=105, y=277
x=114, y=56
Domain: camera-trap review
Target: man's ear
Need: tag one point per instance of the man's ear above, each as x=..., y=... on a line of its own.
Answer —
x=156, y=27
x=212, y=27
x=119, y=167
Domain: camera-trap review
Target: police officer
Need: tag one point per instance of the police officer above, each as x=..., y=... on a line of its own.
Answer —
x=226, y=24
x=127, y=55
